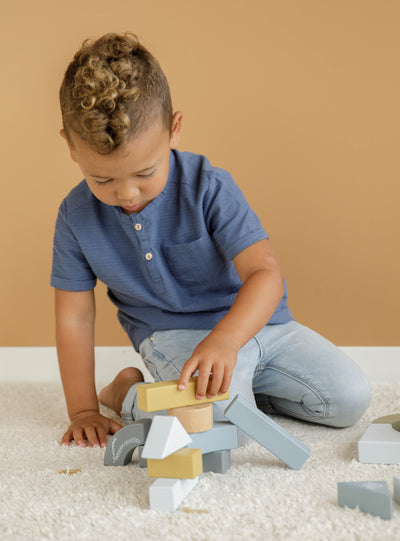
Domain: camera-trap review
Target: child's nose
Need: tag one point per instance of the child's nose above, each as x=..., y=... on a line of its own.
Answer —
x=128, y=191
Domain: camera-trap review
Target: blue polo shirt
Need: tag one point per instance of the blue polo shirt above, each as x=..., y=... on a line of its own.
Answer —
x=170, y=265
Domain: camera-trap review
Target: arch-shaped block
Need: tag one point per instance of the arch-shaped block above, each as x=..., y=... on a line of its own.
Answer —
x=121, y=446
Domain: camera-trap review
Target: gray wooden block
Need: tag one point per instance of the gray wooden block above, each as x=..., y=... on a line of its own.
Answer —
x=380, y=444
x=142, y=461
x=371, y=497
x=121, y=446
x=396, y=488
x=217, y=461
x=268, y=433
x=223, y=435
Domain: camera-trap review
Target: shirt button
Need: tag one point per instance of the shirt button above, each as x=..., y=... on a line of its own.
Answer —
x=138, y=227
x=149, y=256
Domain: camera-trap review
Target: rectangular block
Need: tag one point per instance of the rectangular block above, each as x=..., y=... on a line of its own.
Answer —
x=380, y=444
x=184, y=464
x=223, y=435
x=164, y=395
x=217, y=461
x=268, y=433
x=168, y=494
x=396, y=489
x=371, y=497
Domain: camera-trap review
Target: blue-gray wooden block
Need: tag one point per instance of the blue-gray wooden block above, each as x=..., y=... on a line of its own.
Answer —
x=268, y=433
x=371, y=497
x=222, y=435
x=380, y=444
x=217, y=461
x=121, y=446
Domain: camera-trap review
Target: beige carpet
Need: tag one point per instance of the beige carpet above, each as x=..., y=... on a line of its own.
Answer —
x=259, y=498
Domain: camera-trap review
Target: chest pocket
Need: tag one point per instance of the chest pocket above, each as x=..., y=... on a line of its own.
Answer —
x=195, y=264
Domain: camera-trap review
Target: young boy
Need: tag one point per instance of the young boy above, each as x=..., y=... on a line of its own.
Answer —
x=186, y=261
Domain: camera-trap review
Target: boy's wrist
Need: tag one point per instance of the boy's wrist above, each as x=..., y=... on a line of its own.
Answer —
x=83, y=413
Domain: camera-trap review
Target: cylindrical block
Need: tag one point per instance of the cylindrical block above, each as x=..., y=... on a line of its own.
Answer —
x=194, y=418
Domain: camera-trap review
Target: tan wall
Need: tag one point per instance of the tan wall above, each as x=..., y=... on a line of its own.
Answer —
x=299, y=100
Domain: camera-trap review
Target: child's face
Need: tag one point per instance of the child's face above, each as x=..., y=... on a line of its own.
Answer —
x=132, y=176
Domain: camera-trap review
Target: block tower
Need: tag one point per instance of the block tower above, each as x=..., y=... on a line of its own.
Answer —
x=179, y=446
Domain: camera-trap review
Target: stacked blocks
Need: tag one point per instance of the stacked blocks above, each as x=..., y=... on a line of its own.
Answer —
x=268, y=433
x=169, y=451
x=380, y=443
x=178, y=447
x=371, y=497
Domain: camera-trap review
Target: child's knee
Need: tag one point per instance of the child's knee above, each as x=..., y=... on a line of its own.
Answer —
x=348, y=403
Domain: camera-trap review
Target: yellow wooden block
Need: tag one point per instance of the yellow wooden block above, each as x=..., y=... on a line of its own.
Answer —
x=198, y=418
x=164, y=395
x=184, y=464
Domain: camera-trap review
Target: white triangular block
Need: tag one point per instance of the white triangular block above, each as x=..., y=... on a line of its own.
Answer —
x=166, y=436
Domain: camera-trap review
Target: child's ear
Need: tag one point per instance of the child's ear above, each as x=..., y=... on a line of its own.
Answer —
x=176, y=130
x=71, y=148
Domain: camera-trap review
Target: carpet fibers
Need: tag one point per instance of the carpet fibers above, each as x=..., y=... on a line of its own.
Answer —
x=48, y=492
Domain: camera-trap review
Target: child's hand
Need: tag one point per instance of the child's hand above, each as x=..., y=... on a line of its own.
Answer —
x=216, y=354
x=92, y=426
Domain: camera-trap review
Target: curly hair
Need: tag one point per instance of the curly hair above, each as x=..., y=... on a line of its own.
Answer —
x=112, y=90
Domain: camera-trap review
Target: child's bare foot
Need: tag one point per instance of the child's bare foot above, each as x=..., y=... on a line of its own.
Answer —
x=113, y=394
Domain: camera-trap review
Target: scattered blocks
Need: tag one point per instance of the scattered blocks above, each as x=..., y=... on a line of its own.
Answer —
x=198, y=418
x=371, y=497
x=168, y=494
x=380, y=444
x=223, y=435
x=268, y=433
x=121, y=446
x=184, y=464
x=162, y=395
x=217, y=461
x=166, y=435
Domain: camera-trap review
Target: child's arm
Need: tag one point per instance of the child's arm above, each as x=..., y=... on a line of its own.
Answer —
x=75, y=315
x=260, y=294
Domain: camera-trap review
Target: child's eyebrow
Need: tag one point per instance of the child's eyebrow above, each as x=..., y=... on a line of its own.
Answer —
x=137, y=173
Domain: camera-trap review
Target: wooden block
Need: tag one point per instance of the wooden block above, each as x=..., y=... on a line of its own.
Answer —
x=223, y=435
x=388, y=419
x=217, y=461
x=268, y=433
x=371, y=497
x=168, y=494
x=166, y=435
x=184, y=464
x=380, y=444
x=121, y=446
x=198, y=418
x=163, y=395
x=396, y=488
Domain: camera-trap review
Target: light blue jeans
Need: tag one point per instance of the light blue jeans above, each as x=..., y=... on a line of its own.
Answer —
x=287, y=369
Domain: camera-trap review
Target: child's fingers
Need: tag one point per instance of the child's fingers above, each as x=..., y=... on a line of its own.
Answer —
x=203, y=380
x=226, y=381
x=188, y=369
x=78, y=437
x=67, y=437
x=215, y=382
x=114, y=427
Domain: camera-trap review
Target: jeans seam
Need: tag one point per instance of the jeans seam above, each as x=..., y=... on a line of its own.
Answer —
x=306, y=384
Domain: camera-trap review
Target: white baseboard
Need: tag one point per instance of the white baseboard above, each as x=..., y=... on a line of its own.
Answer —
x=39, y=364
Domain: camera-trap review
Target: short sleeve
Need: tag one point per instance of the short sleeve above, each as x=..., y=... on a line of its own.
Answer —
x=70, y=269
x=230, y=220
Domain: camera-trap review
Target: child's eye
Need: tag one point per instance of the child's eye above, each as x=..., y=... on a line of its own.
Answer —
x=103, y=181
x=148, y=175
